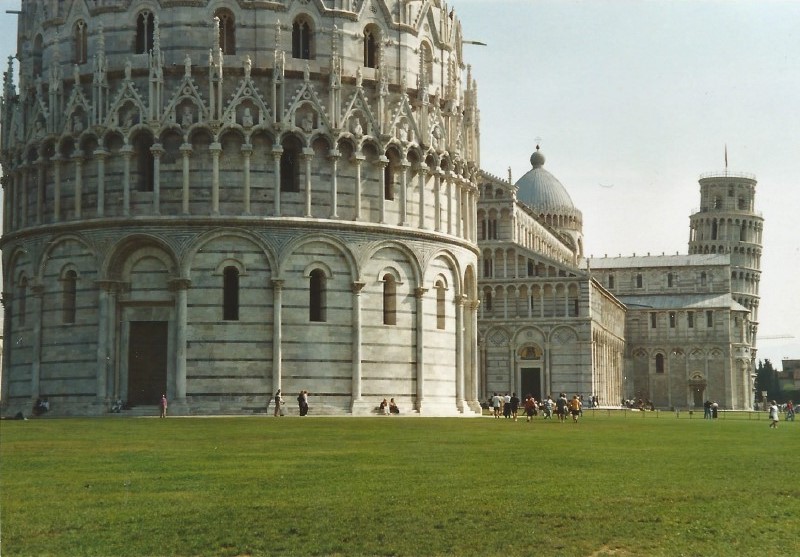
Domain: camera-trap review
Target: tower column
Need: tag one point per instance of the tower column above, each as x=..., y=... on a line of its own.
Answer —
x=247, y=151
x=186, y=152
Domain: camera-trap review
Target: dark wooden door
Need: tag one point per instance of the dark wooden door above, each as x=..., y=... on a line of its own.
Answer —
x=531, y=382
x=147, y=362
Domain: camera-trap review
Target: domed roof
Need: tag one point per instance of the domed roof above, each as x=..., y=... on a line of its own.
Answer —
x=541, y=191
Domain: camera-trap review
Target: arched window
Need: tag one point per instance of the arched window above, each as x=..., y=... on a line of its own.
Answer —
x=670, y=280
x=145, y=22
x=531, y=269
x=487, y=301
x=371, y=43
x=714, y=230
x=492, y=229
x=703, y=278
x=301, y=38
x=389, y=300
x=80, y=33
x=144, y=162
x=37, y=55
x=610, y=282
x=290, y=165
x=426, y=60
x=22, y=300
x=316, y=296
x=69, y=296
x=441, y=309
x=639, y=280
x=388, y=181
x=659, y=363
x=227, y=31
x=230, y=294
x=488, y=267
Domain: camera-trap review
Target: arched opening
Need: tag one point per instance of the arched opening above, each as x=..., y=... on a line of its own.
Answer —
x=371, y=44
x=227, y=31
x=69, y=297
x=317, y=296
x=441, y=308
x=145, y=175
x=389, y=300
x=145, y=23
x=290, y=165
x=302, y=36
x=80, y=33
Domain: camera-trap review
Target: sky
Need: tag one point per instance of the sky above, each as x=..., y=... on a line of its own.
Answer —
x=631, y=101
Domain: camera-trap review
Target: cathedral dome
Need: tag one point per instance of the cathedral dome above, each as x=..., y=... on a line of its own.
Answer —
x=542, y=191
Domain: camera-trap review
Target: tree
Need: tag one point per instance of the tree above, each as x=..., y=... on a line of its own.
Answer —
x=767, y=380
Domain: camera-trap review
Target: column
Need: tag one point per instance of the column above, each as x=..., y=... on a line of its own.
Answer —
x=357, y=287
x=424, y=175
x=36, y=342
x=101, y=370
x=157, y=150
x=404, y=165
x=459, y=208
x=307, y=155
x=6, y=300
x=437, y=200
x=186, y=152
x=100, y=155
x=459, y=303
x=381, y=164
x=40, y=185
x=334, y=158
x=277, y=302
x=473, y=333
x=247, y=150
x=6, y=194
x=127, y=154
x=181, y=288
x=449, y=194
x=216, y=150
x=78, y=161
x=359, y=158
x=276, y=168
x=22, y=194
x=56, y=162
x=419, y=293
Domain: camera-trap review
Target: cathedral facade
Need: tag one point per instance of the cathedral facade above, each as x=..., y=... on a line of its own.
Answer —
x=669, y=330
x=217, y=200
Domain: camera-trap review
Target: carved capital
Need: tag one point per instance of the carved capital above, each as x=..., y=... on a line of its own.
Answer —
x=358, y=287
x=179, y=284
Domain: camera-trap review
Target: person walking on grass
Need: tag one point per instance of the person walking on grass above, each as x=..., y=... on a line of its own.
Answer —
x=514, y=406
x=773, y=414
x=575, y=408
x=278, y=402
x=163, y=405
x=561, y=407
x=530, y=406
x=496, y=405
x=790, y=411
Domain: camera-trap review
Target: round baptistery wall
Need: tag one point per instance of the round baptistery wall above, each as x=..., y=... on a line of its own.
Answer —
x=217, y=200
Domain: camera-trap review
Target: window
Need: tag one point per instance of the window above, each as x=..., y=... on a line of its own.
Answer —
x=68, y=297
x=316, y=296
x=639, y=280
x=440, y=306
x=659, y=363
x=714, y=230
x=144, y=162
x=492, y=229
x=227, y=31
x=742, y=204
x=389, y=300
x=371, y=40
x=290, y=165
x=610, y=282
x=487, y=301
x=653, y=320
x=301, y=39
x=703, y=278
x=672, y=319
x=79, y=55
x=670, y=280
x=531, y=269
x=743, y=233
x=709, y=318
x=145, y=23
x=575, y=307
x=487, y=267
x=230, y=301
x=388, y=181
x=426, y=59
x=690, y=319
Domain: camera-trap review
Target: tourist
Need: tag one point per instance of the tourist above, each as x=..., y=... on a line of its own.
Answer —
x=514, y=402
x=302, y=402
x=278, y=402
x=561, y=407
x=714, y=409
x=575, y=408
x=384, y=407
x=548, y=408
x=530, y=406
x=507, y=406
x=393, y=409
x=790, y=411
x=163, y=406
x=773, y=414
x=496, y=405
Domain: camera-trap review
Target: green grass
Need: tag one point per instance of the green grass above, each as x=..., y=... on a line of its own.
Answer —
x=393, y=486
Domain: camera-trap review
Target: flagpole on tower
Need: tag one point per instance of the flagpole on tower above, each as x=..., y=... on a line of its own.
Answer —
x=726, y=158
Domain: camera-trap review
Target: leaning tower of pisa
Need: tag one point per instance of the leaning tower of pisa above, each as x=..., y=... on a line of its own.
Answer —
x=214, y=200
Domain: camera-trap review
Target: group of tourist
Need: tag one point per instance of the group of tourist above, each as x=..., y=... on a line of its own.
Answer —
x=388, y=408
x=278, y=402
x=507, y=406
x=710, y=410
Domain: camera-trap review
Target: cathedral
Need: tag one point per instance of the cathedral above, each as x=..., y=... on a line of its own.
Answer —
x=215, y=201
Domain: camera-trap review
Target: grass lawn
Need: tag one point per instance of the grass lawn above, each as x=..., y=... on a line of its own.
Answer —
x=399, y=486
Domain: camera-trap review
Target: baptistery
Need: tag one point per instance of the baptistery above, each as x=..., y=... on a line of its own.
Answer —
x=213, y=200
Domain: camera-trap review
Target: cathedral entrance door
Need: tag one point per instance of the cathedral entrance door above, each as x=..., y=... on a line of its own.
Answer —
x=697, y=393
x=531, y=378
x=147, y=362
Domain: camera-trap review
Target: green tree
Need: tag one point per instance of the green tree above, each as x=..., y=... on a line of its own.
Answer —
x=767, y=380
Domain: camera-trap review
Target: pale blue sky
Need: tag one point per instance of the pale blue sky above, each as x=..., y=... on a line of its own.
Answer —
x=644, y=96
